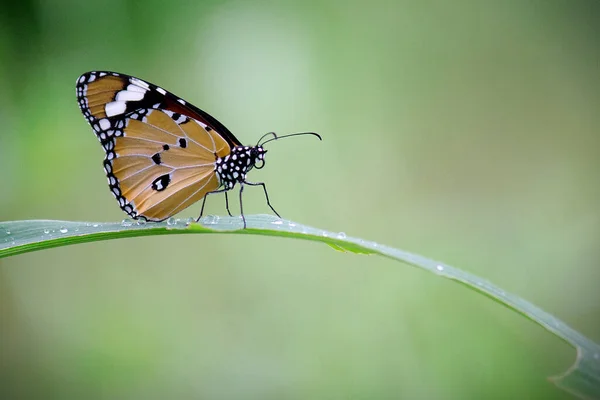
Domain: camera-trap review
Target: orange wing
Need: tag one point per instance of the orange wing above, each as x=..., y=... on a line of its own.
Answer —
x=160, y=152
x=163, y=165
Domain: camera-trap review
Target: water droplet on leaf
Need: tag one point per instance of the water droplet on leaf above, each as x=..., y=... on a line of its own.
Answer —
x=211, y=219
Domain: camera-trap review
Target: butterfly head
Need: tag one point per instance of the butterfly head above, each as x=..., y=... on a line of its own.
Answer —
x=257, y=155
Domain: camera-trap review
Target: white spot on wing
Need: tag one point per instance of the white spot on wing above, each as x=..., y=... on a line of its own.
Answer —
x=126, y=95
x=139, y=82
x=104, y=124
x=161, y=91
x=135, y=88
x=114, y=108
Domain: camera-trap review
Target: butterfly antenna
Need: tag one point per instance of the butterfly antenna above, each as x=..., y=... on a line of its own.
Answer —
x=264, y=136
x=275, y=137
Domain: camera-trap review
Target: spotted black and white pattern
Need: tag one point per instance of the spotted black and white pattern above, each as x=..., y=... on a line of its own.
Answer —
x=233, y=168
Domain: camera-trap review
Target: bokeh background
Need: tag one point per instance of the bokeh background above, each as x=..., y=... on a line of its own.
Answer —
x=466, y=131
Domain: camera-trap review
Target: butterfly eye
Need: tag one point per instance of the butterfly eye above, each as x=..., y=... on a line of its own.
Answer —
x=259, y=162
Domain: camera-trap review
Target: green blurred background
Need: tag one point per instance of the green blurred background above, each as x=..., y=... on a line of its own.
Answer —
x=466, y=131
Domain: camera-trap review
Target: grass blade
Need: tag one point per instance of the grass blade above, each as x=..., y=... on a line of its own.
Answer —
x=17, y=237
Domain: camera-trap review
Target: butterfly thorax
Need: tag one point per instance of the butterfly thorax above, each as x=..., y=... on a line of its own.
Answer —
x=233, y=167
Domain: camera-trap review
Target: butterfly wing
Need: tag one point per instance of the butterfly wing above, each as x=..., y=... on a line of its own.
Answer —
x=160, y=150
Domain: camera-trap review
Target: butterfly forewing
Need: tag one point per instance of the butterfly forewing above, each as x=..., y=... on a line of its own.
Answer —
x=160, y=150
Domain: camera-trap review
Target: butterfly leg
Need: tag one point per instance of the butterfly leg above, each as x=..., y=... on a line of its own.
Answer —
x=227, y=204
x=242, y=204
x=204, y=201
x=266, y=194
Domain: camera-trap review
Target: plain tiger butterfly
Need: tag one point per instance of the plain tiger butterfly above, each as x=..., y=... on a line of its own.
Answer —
x=162, y=154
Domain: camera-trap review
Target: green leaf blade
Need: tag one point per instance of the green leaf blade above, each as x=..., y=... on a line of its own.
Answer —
x=18, y=237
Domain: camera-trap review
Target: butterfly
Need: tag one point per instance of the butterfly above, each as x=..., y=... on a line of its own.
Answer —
x=162, y=154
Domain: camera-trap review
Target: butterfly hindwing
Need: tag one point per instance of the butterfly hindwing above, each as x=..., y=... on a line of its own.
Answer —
x=160, y=150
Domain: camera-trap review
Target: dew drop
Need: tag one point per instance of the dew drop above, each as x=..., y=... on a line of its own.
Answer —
x=140, y=222
x=292, y=225
x=171, y=221
x=189, y=221
x=46, y=231
x=439, y=267
x=341, y=235
x=95, y=225
x=126, y=222
x=278, y=222
x=211, y=219
x=63, y=229
x=7, y=232
x=325, y=234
